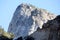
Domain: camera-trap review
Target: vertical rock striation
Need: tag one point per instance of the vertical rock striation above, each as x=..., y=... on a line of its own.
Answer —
x=27, y=19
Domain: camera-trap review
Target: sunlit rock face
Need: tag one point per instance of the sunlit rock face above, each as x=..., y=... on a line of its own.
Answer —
x=27, y=19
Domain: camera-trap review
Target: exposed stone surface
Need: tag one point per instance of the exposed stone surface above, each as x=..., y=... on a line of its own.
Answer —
x=54, y=28
x=27, y=19
x=50, y=30
x=43, y=34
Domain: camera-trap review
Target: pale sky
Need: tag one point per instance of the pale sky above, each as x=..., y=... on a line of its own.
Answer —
x=8, y=7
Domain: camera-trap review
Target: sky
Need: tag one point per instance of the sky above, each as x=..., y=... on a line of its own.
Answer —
x=8, y=7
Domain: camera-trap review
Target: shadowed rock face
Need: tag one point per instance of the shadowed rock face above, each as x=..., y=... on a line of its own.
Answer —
x=27, y=19
x=54, y=26
x=50, y=30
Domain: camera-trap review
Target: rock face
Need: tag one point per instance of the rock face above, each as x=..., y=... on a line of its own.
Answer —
x=50, y=30
x=54, y=28
x=27, y=19
x=42, y=34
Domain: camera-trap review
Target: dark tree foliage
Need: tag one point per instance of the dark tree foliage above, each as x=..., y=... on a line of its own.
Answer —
x=29, y=38
x=20, y=38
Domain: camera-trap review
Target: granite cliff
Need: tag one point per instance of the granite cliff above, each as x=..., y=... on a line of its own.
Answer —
x=27, y=18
